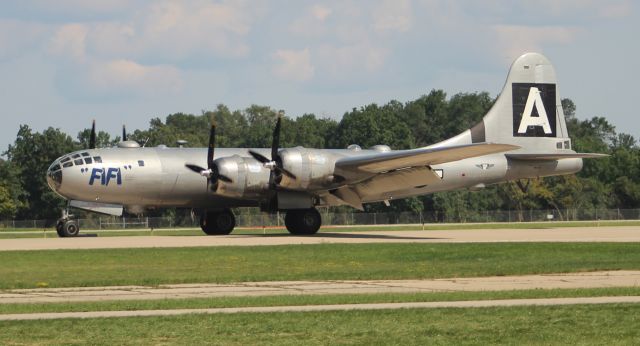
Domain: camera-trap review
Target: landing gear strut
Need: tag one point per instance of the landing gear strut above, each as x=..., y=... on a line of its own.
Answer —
x=65, y=227
x=217, y=222
x=303, y=221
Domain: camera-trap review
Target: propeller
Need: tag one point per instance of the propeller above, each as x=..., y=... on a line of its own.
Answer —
x=124, y=133
x=211, y=172
x=275, y=164
x=92, y=136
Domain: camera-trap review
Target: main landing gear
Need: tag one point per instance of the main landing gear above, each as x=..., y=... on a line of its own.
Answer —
x=298, y=221
x=303, y=221
x=217, y=222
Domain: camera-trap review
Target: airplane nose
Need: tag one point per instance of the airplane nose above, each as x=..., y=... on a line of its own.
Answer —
x=54, y=175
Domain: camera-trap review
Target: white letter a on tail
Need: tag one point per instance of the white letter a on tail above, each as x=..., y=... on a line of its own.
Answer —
x=534, y=100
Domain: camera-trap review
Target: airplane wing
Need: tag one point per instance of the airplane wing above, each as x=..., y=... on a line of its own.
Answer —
x=555, y=156
x=387, y=161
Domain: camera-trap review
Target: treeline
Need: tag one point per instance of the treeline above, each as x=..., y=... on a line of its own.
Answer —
x=604, y=183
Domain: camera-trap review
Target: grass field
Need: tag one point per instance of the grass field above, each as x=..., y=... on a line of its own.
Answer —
x=561, y=325
x=68, y=268
x=322, y=299
x=7, y=233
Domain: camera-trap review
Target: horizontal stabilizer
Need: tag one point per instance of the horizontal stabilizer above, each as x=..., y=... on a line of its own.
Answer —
x=554, y=156
x=386, y=161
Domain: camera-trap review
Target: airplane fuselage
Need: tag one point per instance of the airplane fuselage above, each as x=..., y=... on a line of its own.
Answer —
x=140, y=178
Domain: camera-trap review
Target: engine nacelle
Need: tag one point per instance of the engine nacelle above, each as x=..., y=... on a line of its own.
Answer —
x=249, y=178
x=313, y=168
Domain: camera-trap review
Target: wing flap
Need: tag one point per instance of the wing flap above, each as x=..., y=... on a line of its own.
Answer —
x=382, y=162
x=397, y=180
x=555, y=156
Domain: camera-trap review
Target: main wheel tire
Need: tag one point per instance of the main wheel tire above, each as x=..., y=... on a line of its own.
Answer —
x=303, y=221
x=70, y=229
x=218, y=223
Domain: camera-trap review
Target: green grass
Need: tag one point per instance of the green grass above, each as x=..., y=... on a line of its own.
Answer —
x=324, y=299
x=560, y=325
x=108, y=267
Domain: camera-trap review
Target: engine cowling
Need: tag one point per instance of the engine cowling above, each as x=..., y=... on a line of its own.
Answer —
x=313, y=168
x=249, y=178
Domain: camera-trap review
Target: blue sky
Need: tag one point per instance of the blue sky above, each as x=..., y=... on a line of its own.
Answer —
x=65, y=62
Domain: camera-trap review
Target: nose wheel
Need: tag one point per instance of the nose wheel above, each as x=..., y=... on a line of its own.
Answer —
x=68, y=228
x=65, y=227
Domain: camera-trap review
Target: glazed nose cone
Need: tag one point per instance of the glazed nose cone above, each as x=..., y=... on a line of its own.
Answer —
x=54, y=175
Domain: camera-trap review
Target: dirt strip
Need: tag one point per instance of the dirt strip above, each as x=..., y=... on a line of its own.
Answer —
x=567, y=234
x=338, y=307
x=502, y=283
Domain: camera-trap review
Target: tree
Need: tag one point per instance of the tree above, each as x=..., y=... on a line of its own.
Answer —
x=568, y=108
x=8, y=207
x=372, y=125
x=32, y=153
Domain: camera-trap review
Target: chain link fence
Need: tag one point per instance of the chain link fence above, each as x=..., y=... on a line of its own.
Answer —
x=271, y=220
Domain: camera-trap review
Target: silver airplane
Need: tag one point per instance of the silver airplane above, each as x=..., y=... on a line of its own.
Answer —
x=524, y=135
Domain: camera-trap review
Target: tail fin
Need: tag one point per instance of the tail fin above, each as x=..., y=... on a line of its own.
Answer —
x=528, y=113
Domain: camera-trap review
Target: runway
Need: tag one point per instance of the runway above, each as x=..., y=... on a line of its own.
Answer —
x=622, y=278
x=335, y=307
x=566, y=234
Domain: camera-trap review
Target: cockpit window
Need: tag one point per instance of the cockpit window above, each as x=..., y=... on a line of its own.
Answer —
x=65, y=159
x=75, y=156
x=87, y=160
x=141, y=163
x=85, y=154
x=78, y=162
x=67, y=164
x=97, y=159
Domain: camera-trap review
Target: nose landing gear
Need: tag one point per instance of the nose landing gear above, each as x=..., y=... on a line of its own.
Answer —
x=65, y=227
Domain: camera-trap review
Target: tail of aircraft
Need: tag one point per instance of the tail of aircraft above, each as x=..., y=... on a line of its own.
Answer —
x=527, y=113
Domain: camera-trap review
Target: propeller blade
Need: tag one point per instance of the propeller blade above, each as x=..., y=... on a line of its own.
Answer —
x=200, y=170
x=286, y=172
x=275, y=144
x=259, y=156
x=92, y=136
x=212, y=144
x=224, y=178
x=124, y=133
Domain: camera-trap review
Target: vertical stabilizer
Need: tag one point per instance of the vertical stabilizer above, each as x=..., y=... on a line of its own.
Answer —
x=528, y=112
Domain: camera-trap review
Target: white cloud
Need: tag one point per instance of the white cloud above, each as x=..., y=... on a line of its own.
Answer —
x=516, y=40
x=320, y=12
x=392, y=15
x=312, y=23
x=70, y=41
x=126, y=76
x=293, y=65
x=17, y=36
x=339, y=63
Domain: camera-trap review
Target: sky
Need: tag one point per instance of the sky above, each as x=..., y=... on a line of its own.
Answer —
x=66, y=62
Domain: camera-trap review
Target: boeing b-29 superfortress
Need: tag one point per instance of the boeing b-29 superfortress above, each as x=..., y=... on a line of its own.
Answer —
x=524, y=135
